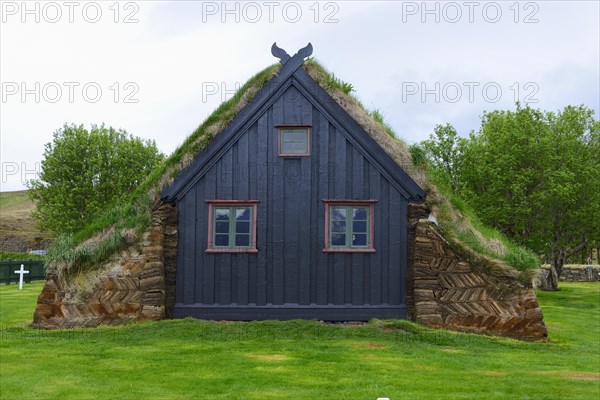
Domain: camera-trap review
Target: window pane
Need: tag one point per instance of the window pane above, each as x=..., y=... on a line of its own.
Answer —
x=293, y=148
x=359, y=227
x=359, y=213
x=242, y=214
x=338, y=226
x=338, y=239
x=222, y=214
x=294, y=135
x=359, y=239
x=298, y=148
x=338, y=214
x=222, y=227
x=221, y=240
x=294, y=141
x=242, y=227
x=242, y=240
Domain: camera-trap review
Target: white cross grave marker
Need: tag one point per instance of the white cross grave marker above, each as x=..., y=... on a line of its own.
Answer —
x=21, y=272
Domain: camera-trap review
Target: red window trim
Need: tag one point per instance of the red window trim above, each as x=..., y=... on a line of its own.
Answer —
x=234, y=203
x=280, y=127
x=364, y=203
x=212, y=204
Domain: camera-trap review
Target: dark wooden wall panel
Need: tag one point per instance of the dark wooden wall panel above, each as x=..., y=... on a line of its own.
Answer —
x=303, y=215
x=208, y=264
x=339, y=264
x=263, y=233
x=394, y=249
x=324, y=181
x=199, y=242
x=312, y=228
x=252, y=285
x=241, y=279
x=189, y=246
x=384, y=233
x=278, y=206
x=181, y=269
x=378, y=239
x=270, y=162
x=404, y=245
x=290, y=217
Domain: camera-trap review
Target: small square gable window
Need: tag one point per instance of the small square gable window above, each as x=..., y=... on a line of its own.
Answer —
x=294, y=141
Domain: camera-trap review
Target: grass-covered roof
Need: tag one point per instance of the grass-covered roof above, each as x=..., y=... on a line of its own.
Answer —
x=125, y=222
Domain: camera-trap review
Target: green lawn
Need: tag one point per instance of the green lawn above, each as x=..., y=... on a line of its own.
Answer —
x=188, y=359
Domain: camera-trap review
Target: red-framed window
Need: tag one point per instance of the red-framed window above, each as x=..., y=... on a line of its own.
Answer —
x=349, y=225
x=231, y=226
x=293, y=141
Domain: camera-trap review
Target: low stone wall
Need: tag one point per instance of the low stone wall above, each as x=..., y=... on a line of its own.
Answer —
x=570, y=273
x=446, y=290
x=136, y=284
x=580, y=273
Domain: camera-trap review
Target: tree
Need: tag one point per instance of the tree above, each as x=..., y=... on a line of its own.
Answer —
x=83, y=172
x=535, y=176
x=444, y=150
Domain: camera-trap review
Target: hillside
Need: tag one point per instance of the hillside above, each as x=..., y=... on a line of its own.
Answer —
x=17, y=228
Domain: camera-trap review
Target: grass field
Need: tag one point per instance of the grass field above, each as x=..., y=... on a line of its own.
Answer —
x=189, y=359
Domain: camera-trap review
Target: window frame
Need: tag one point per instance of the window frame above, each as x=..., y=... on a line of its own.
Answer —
x=231, y=204
x=279, y=138
x=370, y=205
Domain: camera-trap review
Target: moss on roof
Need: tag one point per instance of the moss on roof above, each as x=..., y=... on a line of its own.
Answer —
x=124, y=223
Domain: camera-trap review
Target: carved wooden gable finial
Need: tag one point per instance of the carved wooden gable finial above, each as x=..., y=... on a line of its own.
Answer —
x=284, y=57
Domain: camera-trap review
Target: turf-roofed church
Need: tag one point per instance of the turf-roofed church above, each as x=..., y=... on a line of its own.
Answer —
x=291, y=201
x=293, y=211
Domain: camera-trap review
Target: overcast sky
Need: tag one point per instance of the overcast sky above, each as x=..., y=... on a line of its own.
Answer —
x=158, y=69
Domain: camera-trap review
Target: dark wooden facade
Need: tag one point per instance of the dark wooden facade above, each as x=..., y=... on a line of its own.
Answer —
x=290, y=276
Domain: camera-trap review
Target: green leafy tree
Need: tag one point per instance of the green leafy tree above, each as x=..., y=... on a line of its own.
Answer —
x=535, y=176
x=444, y=149
x=83, y=172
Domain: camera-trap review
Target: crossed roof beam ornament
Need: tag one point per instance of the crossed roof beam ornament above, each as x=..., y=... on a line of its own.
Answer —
x=284, y=57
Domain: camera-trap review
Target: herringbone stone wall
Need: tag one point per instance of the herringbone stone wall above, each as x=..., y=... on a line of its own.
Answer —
x=135, y=284
x=449, y=291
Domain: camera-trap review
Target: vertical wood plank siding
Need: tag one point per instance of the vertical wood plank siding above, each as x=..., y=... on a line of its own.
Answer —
x=290, y=272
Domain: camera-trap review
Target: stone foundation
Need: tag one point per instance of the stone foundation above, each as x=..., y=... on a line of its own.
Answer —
x=446, y=290
x=135, y=284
